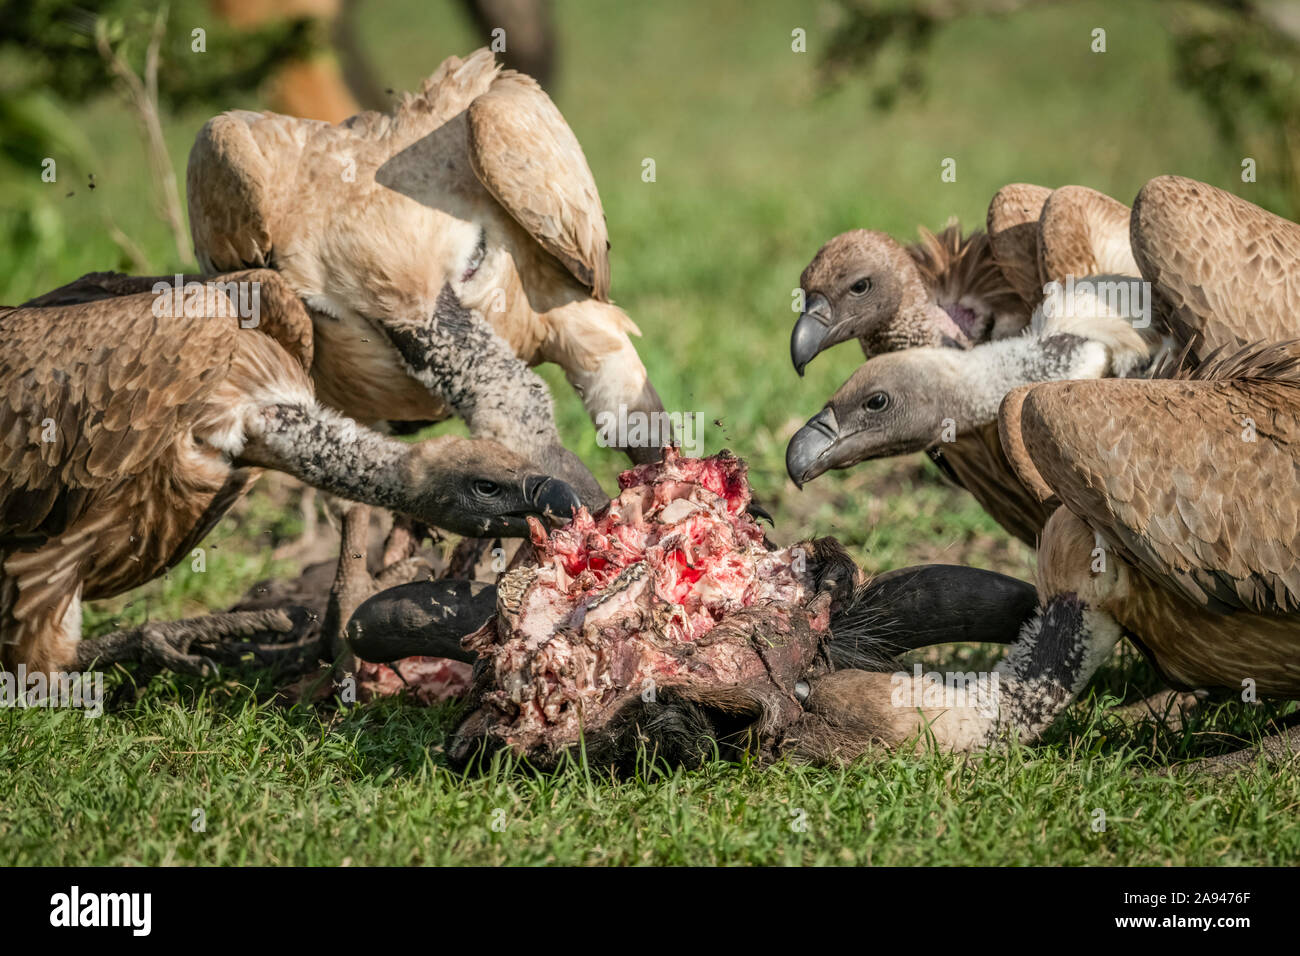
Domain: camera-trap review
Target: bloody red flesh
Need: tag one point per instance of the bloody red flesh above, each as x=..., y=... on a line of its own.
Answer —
x=671, y=585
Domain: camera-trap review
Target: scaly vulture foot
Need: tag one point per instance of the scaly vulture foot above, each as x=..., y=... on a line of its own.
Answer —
x=1280, y=751
x=186, y=647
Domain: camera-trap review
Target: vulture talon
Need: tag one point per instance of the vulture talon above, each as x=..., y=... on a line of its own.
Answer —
x=184, y=647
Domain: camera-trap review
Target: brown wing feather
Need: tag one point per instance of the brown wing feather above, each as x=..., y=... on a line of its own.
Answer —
x=280, y=313
x=526, y=156
x=1013, y=232
x=1162, y=469
x=1012, y=443
x=109, y=408
x=1224, y=272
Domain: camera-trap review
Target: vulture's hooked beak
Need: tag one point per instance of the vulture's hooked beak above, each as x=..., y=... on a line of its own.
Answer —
x=809, y=451
x=552, y=500
x=810, y=331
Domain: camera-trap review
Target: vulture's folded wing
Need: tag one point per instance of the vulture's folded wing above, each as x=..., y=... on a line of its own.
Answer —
x=1013, y=233
x=1193, y=481
x=526, y=156
x=97, y=285
x=91, y=393
x=1083, y=232
x=1219, y=266
x=240, y=180
x=1012, y=442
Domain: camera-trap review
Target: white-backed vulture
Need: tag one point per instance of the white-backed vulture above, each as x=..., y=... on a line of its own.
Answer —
x=129, y=423
x=921, y=398
x=1179, y=524
x=945, y=402
x=945, y=290
x=440, y=250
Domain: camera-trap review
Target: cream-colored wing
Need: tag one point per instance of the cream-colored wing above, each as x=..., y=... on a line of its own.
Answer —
x=526, y=156
x=240, y=181
x=1083, y=232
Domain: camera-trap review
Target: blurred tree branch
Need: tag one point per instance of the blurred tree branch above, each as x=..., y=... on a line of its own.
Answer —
x=1241, y=58
x=142, y=95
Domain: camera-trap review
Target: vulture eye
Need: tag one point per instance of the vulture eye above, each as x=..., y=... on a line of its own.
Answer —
x=860, y=287
x=877, y=402
x=486, y=489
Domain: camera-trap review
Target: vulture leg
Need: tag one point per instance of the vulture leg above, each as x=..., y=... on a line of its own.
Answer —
x=459, y=357
x=1278, y=749
x=466, y=557
x=1167, y=707
x=352, y=582
x=403, y=539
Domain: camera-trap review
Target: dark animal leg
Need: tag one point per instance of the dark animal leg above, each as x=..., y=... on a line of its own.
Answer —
x=926, y=605
x=1051, y=663
x=458, y=356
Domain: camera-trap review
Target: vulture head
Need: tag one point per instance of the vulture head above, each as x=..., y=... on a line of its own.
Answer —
x=866, y=285
x=479, y=488
x=890, y=406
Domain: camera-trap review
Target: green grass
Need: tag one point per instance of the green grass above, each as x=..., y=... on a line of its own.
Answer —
x=368, y=786
x=756, y=167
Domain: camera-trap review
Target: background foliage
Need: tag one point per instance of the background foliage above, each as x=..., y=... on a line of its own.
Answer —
x=761, y=154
